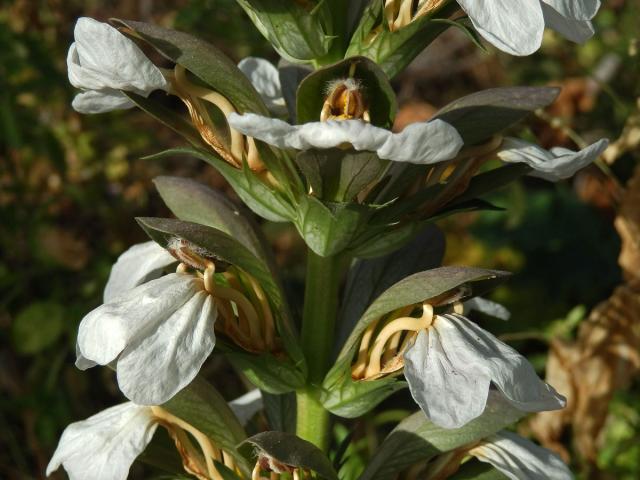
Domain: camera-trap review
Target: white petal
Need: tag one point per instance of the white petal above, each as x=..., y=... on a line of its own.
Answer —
x=83, y=363
x=448, y=386
x=156, y=366
x=106, y=331
x=575, y=9
x=266, y=80
x=520, y=459
x=487, y=307
x=422, y=143
x=104, y=446
x=554, y=165
x=137, y=265
x=451, y=365
x=101, y=101
x=578, y=31
x=515, y=27
x=247, y=405
x=102, y=57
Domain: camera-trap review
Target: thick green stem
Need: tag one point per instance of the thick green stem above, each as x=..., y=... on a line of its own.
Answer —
x=317, y=337
x=312, y=421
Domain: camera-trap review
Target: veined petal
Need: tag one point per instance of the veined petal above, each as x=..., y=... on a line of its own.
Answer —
x=553, y=165
x=578, y=31
x=247, y=405
x=575, y=9
x=102, y=57
x=451, y=365
x=422, y=143
x=101, y=101
x=520, y=459
x=155, y=366
x=448, y=386
x=135, y=266
x=266, y=80
x=104, y=446
x=487, y=307
x=515, y=27
x=106, y=331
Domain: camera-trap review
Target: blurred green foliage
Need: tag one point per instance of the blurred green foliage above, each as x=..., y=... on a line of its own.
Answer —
x=71, y=185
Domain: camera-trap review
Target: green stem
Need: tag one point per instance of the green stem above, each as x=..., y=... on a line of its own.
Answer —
x=317, y=336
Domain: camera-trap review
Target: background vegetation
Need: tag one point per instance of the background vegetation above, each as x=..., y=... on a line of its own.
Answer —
x=70, y=186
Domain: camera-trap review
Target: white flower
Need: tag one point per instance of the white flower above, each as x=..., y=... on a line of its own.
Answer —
x=553, y=165
x=452, y=365
x=139, y=264
x=102, y=61
x=160, y=333
x=520, y=459
x=422, y=143
x=516, y=27
x=104, y=446
x=266, y=80
x=487, y=307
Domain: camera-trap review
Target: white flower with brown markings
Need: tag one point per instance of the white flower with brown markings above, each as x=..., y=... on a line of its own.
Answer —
x=103, y=63
x=552, y=165
x=517, y=27
x=452, y=365
x=158, y=333
x=421, y=143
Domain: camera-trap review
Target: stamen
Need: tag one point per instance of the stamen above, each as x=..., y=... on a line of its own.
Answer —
x=210, y=452
x=400, y=324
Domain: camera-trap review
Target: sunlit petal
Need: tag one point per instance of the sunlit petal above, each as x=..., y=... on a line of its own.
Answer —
x=139, y=264
x=451, y=366
x=422, y=143
x=553, y=165
x=106, y=331
x=104, y=446
x=515, y=27
x=575, y=9
x=578, y=31
x=520, y=459
x=154, y=367
x=266, y=80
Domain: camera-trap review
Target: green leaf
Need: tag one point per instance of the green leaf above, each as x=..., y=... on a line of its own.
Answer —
x=37, y=327
x=291, y=450
x=339, y=175
x=347, y=398
x=167, y=117
x=367, y=279
x=377, y=91
x=476, y=470
x=203, y=60
x=377, y=241
x=295, y=33
x=200, y=405
x=280, y=411
x=416, y=439
x=161, y=453
x=194, y=202
x=259, y=197
x=490, y=181
x=328, y=228
x=482, y=114
x=270, y=373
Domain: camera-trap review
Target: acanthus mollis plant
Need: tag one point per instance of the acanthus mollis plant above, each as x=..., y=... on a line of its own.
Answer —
x=309, y=143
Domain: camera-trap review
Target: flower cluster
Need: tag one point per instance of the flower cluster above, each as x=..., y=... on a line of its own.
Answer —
x=354, y=189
